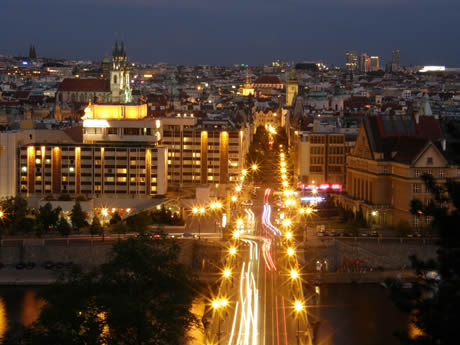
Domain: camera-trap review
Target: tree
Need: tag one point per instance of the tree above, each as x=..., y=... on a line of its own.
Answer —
x=95, y=228
x=15, y=218
x=139, y=222
x=115, y=218
x=78, y=217
x=63, y=227
x=142, y=295
x=47, y=217
x=433, y=301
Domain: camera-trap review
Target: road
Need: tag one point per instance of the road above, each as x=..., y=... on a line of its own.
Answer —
x=255, y=304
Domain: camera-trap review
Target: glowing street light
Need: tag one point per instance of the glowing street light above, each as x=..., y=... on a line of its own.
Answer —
x=286, y=222
x=298, y=307
x=294, y=274
x=234, y=198
x=238, y=188
x=218, y=304
x=254, y=167
x=290, y=251
x=105, y=212
x=236, y=234
x=244, y=172
x=283, y=170
x=232, y=251
x=218, y=205
x=285, y=183
x=283, y=164
x=195, y=210
x=1, y=214
x=227, y=273
x=202, y=210
x=284, y=176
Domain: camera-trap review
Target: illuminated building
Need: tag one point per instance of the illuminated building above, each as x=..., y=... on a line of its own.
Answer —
x=374, y=64
x=203, y=152
x=268, y=118
x=292, y=87
x=321, y=157
x=119, y=156
x=385, y=167
x=351, y=61
x=247, y=89
x=364, y=63
x=119, y=76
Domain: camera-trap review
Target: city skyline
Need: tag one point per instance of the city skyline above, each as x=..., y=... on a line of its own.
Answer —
x=179, y=32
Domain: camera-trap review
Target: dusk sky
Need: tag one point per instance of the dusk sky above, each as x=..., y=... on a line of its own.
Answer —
x=234, y=31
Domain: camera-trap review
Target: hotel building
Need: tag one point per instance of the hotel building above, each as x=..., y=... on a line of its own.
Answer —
x=119, y=155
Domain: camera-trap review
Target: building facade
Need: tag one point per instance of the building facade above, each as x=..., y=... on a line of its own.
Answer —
x=385, y=167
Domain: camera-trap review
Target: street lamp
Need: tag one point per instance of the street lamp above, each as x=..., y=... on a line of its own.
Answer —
x=217, y=305
x=232, y=251
x=244, y=172
x=199, y=211
x=294, y=274
x=290, y=252
x=254, y=167
x=298, y=307
x=288, y=235
x=234, y=198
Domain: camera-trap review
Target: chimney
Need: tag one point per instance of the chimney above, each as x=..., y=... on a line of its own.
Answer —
x=443, y=142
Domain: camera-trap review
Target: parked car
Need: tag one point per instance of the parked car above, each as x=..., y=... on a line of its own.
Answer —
x=187, y=235
x=334, y=233
x=30, y=265
x=373, y=234
x=364, y=234
x=346, y=234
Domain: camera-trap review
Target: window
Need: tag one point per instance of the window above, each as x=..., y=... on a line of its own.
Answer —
x=121, y=179
x=38, y=161
x=429, y=161
x=112, y=131
x=418, y=173
x=130, y=131
x=442, y=173
x=38, y=178
x=109, y=179
x=132, y=162
x=64, y=178
x=121, y=171
x=132, y=179
x=416, y=188
x=97, y=188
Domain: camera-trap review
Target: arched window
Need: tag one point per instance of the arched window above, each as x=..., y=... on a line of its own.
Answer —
x=115, y=79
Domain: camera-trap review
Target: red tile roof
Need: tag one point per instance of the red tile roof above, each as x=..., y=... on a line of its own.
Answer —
x=85, y=85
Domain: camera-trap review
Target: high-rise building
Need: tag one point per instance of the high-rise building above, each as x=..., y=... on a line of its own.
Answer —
x=364, y=63
x=351, y=60
x=395, y=61
x=374, y=64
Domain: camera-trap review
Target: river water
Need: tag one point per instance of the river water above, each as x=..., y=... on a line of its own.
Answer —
x=358, y=314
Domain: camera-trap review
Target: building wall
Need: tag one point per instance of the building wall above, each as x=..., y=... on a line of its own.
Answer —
x=8, y=164
x=92, y=170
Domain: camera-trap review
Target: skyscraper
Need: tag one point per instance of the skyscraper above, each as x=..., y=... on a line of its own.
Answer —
x=395, y=61
x=374, y=64
x=364, y=63
x=351, y=60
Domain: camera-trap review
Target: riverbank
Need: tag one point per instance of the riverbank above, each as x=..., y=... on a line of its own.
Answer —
x=374, y=277
x=25, y=277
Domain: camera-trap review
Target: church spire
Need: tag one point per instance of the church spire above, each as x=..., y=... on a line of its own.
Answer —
x=115, y=51
x=248, y=79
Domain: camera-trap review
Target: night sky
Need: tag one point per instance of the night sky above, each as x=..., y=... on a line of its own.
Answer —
x=234, y=31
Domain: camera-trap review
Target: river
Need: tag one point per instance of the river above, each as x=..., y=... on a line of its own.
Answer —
x=358, y=314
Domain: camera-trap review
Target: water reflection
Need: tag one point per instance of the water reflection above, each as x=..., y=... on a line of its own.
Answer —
x=31, y=307
x=3, y=319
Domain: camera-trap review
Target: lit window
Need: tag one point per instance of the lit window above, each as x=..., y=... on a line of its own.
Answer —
x=442, y=173
x=97, y=162
x=121, y=171
x=154, y=188
x=24, y=168
x=97, y=188
x=38, y=178
x=121, y=179
x=132, y=179
x=48, y=161
x=64, y=178
x=109, y=179
x=416, y=188
x=38, y=161
x=71, y=169
x=132, y=162
x=48, y=187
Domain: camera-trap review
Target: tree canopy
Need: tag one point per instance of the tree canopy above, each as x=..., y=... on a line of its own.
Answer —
x=142, y=295
x=434, y=300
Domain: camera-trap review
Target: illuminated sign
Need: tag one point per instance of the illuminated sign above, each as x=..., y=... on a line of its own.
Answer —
x=95, y=124
x=432, y=69
x=312, y=198
x=323, y=187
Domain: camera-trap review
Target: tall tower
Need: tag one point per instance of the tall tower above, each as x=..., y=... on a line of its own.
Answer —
x=351, y=61
x=364, y=63
x=395, y=61
x=292, y=87
x=119, y=76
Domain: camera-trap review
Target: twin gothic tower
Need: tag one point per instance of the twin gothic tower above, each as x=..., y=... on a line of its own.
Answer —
x=119, y=76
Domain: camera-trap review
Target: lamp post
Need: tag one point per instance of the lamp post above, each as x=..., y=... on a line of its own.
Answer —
x=217, y=305
x=298, y=307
